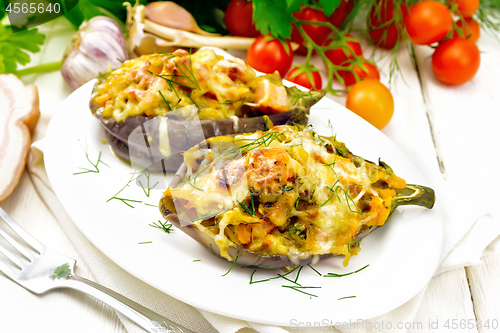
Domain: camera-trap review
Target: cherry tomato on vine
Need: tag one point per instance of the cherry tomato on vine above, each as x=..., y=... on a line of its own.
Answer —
x=370, y=72
x=238, y=19
x=428, y=22
x=466, y=7
x=455, y=61
x=372, y=101
x=269, y=55
x=338, y=16
x=302, y=79
x=470, y=29
x=340, y=56
x=382, y=23
x=318, y=33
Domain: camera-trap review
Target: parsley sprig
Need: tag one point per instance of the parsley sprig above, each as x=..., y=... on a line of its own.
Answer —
x=14, y=49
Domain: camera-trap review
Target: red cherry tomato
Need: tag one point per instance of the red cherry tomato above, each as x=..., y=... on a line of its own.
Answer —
x=470, y=29
x=341, y=56
x=268, y=55
x=318, y=33
x=428, y=22
x=455, y=61
x=370, y=72
x=302, y=79
x=238, y=19
x=466, y=7
x=384, y=31
x=341, y=12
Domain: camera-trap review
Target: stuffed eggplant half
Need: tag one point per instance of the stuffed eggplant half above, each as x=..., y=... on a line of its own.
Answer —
x=283, y=197
x=155, y=106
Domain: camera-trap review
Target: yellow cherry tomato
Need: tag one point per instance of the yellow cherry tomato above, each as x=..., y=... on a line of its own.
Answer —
x=372, y=101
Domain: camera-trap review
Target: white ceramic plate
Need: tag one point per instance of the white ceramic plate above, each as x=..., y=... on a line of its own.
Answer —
x=402, y=256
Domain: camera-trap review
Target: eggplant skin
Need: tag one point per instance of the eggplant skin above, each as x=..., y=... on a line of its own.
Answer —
x=186, y=134
x=410, y=195
x=245, y=258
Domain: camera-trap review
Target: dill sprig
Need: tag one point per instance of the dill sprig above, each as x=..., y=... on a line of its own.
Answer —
x=314, y=269
x=352, y=242
x=148, y=192
x=341, y=275
x=145, y=242
x=194, y=186
x=333, y=191
x=95, y=165
x=126, y=201
x=165, y=100
x=210, y=215
x=251, y=277
x=245, y=207
x=242, y=100
x=346, y=297
x=167, y=227
x=298, y=288
x=264, y=140
x=234, y=262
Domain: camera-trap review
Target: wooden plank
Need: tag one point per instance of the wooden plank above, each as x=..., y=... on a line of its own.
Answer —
x=485, y=290
x=446, y=303
x=464, y=121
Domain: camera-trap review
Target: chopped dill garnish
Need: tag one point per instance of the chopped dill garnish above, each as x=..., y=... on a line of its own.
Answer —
x=95, y=165
x=333, y=193
x=145, y=242
x=242, y=100
x=234, y=262
x=352, y=242
x=296, y=288
x=298, y=273
x=286, y=188
x=196, y=260
x=289, y=280
x=331, y=166
x=165, y=100
x=199, y=189
x=125, y=201
x=346, y=297
x=253, y=205
x=341, y=275
x=210, y=215
x=251, y=278
x=148, y=175
x=167, y=227
x=156, y=206
x=347, y=198
x=314, y=269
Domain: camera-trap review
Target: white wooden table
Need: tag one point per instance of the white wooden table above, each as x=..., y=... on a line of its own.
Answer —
x=459, y=126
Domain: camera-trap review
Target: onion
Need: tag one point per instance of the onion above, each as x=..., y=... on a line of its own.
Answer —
x=96, y=48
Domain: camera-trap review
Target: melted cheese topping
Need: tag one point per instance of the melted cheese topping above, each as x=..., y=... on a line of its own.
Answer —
x=155, y=84
x=286, y=191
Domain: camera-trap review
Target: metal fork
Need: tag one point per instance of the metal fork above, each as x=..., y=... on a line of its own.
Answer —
x=49, y=270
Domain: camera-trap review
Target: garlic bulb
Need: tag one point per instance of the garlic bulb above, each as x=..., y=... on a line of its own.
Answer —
x=96, y=48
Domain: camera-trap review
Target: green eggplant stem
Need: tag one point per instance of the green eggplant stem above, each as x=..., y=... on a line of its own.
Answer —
x=416, y=195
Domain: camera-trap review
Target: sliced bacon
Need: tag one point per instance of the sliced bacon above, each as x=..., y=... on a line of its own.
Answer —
x=19, y=113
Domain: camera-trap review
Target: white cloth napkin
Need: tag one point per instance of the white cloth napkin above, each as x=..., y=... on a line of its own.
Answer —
x=469, y=234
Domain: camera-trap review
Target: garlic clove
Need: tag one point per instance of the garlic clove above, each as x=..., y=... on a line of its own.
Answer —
x=96, y=48
x=170, y=14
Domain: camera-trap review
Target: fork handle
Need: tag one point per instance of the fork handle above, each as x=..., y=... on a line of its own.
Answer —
x=147, y=319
